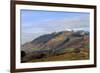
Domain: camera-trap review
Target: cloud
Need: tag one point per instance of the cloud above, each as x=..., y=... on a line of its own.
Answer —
x=33, y=29
x=75, y=22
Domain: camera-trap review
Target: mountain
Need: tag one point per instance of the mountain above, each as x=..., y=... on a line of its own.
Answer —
x=53, y=44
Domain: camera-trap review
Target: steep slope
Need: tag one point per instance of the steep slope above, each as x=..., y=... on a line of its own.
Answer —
x=54, y=44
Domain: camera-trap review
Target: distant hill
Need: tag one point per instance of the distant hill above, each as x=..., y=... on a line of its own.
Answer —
x=54, y=44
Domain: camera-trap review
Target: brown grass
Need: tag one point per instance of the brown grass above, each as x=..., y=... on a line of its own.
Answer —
x=83, y=55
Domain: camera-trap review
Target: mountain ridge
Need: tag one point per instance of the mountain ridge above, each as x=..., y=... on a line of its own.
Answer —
x=54, y=43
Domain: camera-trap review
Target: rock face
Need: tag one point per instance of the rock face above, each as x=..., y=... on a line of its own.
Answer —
x=53, y=44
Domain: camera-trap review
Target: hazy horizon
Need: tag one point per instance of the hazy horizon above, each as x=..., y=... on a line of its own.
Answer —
x=36, y=23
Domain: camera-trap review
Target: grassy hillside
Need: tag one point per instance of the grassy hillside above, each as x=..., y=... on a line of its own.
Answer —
x=69, y=55
x=61, y=46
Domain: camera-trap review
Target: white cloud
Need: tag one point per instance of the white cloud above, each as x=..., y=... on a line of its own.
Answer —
x=33, y=30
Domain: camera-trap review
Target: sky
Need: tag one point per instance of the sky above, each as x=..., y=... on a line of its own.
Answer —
x=35, y=23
